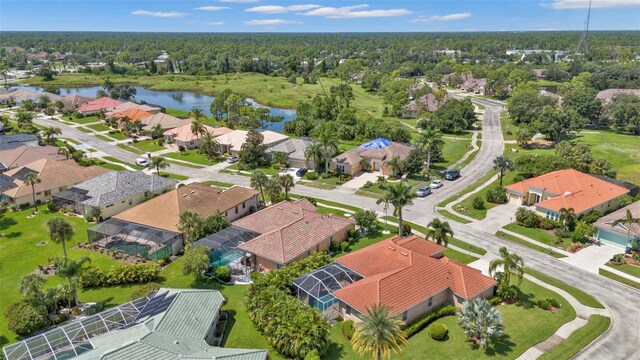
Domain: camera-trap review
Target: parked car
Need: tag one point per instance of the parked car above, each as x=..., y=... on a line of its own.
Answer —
x=452, y=174
x=233, y=159
x=436, y=184
x=142, y=162
x=301, y=172
x=423, y=191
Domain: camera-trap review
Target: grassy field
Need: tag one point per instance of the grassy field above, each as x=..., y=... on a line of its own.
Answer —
x=539, y=235
x=452, y=151
x=459, y=256
x=84, y=120
x=582, y=297
x=114, y=167
x=619, y=278
x=191, y=156
x=509, y=129
x=627, y=269
x=148, y=145
x=516, y=339
x=528, y=244
x=104, y=138
x=115, y=160
x=116, y=136
x=579, y=339
x=622, y=151
x=98, y=127
x=465, y=206
x=177, y=113
x=469, y=189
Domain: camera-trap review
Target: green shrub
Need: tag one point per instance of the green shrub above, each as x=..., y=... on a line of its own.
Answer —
x=118, y=275
x=495, y=300
x=144, y=290
x=578, y=237
x=223, y=273
x=94, y=309
x=334, y=247
x=51, y=206
x=477, y=203
x=553, y=302
x=325, y=175
x=344, y=246
x=348, y=328
x=497, y=195
x=313, y=355
x=618, y=258
x=438, y=331
x=527, y=218
x=545, y=224
x=406, y=229
x=563, y=233
x=311, y=175
x=24, y=317
x=591, y=217
x=544, y=304
x=428, y=318
x=181, y=148
x=367, y=185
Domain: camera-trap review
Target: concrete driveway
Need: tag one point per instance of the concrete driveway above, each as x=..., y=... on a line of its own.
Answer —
x=593, y=257
x=360, y=179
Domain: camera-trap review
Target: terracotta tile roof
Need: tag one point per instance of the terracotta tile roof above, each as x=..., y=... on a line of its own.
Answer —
x=234, y=139
x=103, y=103
x=289, y=230
x=166, y=121
x=572, y=189
x=132, y=114
x=184, y=134
x=164, y=211
x=53, y=174
x=606, y=221
x=13, y=157
x=400, y=273
x=71, y=102
x=131, y=105
x=354, y=156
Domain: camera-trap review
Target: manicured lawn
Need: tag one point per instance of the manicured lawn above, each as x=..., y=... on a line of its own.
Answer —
x=627, y=269
x=117, y=136
x=84, y=120
x=115, y=160
x=452, y=151
x=619, y=278
x=191, y=156
x=266, y=170
x=104, y=138
x=98, y=127
x=173, y=176
x=315, y=184
x=219, y=184
x=113, y=166
x=581, y=296
x=131, y=149
x=452, y=216
x=539, y=235
x=148, y=145
x=579, y=339
x=470, y=188
x=177, y=113
x=528, y=244
x=459, y=257
x=73, y=141
x=189, y=165
x=465, y=207
x=84, y=130
x=540, y=324
x=621, y=150
x=509, y=128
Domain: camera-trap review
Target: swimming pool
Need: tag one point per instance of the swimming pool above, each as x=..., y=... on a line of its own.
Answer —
x=225, y=259
x=130, y=248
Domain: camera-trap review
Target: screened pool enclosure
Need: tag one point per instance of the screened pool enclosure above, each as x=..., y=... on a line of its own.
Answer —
x=316, y=288
x=135, y=239
x=223, y=245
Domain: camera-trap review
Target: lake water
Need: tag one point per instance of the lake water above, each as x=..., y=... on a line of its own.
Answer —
x=181, y=100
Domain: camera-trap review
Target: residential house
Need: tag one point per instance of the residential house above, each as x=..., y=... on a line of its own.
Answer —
x=130, y=114
x=13, y=157
x=232, y=141
x=473, y=85
x=21, y=95
x=74, y=101
x=128, y=105
x=113, y=192
x=538, y=74
x=568, y=189
x=98, y=105
x=410, y=275
x=55, y=176
x=426, y=103
x=607, y=95
x=183, y=136
x=168, y=324
x=377, y=153
x=17, y=140
x=290, y=231
x=165, y=121
x=620, y=235
x=295, y=149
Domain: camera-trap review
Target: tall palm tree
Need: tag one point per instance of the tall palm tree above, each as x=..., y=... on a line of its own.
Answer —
x=158, y=162
x=65, y=151
x=71, y=270
x=190, y=224
x=209, y=145
x=197, y=128
x=378, y=334
x=503, y=164
x=273, y=188
x=396, y=165
x=567, y=218
x=314, y=153
x=511, y=263
x=399, y=196
x=31, y=285
x=480, y=321
x=259, y=181
x=627, y=221
x=50, y=134
x=24, y=119
x=286, y=181
x=32, y=179
x=157, y=131
x=439, y=231
x=328, y=143
x=60, y=231
x=59, y=105
x=430, y=142
x=197, y=113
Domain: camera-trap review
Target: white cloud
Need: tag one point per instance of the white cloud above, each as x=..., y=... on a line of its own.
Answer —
x=239, y=1
x=276, y=9
x=215, y=23
x=271, y=22
x=212, y=8
x=450, y=17
x=171, y=14
x=355, y=11
x=596, y=4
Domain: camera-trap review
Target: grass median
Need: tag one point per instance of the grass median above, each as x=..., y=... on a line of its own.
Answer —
x=582, y=297
x=579, y=339
x=528, y=244
x=618, y=278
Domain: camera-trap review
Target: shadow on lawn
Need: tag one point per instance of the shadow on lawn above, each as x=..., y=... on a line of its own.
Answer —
x=6, y=222
x=525, y=300
x=335, y=351
x=502, y=346
x=3, y=340
x=231, y=321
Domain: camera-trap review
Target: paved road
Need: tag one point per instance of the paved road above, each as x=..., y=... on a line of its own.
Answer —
x=623, y=339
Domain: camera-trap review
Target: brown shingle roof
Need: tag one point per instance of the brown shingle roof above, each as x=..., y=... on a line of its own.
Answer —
x=354, y=156
x=184, y=133
x=164, y=211
x=23, y=155
x=289, y=230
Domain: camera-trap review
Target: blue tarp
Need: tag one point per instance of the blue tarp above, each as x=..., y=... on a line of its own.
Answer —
x=376, y=144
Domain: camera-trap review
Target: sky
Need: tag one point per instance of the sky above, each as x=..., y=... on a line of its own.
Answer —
x=316, y=16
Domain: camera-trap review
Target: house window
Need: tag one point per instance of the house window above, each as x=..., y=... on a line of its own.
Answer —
x=347, y=310
x=226, y=213
x=318, y=248
x=430, y=302
x=61, y=188
x=244, y=205
x=404, y=316
x=38, y=193
x=236, y=209
x=146, y=194
x=309, y=252
x=47, y=192
x=108, y=206
x=130, y=201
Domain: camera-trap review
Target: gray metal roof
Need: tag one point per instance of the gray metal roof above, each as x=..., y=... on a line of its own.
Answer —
x=15, y=140
x=114, y=186
x=191, y=314
x=295, y=148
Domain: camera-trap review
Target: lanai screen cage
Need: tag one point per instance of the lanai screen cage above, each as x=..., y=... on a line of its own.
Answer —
x=223, y=245
x=131, y=238
x=72, y=339
x=71, y=199
x=316, y=288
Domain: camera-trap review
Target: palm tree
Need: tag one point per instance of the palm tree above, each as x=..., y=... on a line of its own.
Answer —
x=31, y=285
x=32, y=179
x=50, y=134
x=396, y=165
x=190, y=224
x=158, y=162
x=43, y=101
x=378, y=334
x=197, y=113
x=439, y=231
x=328, y=144
x=511, y=263
x=65, y=151
x=430, y=141
x=60, y=231
x=481, y=321
x=567, y=217
x=209, y=145
x=197, y=128
x=626, y=222
x=273, y=188
x=24, y=119
x=59, y=105
x=286, y=181
x=157, y=131
x=259, y=181
x=503, y=164
x=71, y=270
x=314, y=152
x=399, y=196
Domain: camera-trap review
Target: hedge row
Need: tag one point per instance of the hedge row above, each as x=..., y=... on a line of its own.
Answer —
x=118, y=275
x=428, y=318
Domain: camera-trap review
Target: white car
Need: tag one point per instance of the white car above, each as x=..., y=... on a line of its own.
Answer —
x=436, y=184
x=142, y=162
